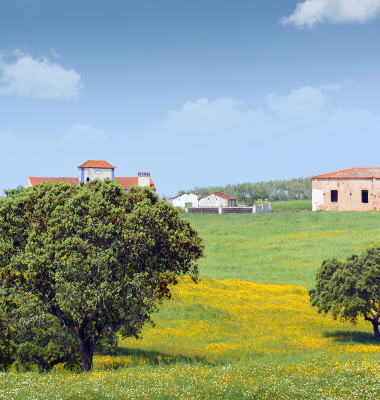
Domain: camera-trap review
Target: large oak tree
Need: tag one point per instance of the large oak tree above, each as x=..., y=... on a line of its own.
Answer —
x=94, y=256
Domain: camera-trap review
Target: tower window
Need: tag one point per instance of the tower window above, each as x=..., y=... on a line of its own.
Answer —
x=334, y=196
x=364, y=196
x=88, y=179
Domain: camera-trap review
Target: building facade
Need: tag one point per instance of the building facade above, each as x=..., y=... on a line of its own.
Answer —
x=354, y=189
x=216, y=199
x=184, y=200
x=98, y=169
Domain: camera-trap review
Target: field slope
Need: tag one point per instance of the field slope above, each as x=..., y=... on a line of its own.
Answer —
x=280, y=247
x=247, y=329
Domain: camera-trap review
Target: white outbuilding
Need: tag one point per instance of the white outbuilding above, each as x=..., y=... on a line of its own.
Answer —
x=217, y=199
x=184, y=200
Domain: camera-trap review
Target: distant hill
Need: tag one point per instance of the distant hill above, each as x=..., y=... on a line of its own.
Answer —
x=249, y=192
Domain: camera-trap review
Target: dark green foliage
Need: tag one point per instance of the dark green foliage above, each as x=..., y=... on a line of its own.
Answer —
x=14, y=192
x=94, y=257
x=108, y=342
x=42, y=341
x=30, y=338
x=350, y=289
x=249, y=192
x=7, y=333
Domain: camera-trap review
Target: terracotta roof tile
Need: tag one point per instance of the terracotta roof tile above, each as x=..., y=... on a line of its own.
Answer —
x=355, y=172
x=96, y=164
x=35, y=181
x=126, y=183
x=219, y=194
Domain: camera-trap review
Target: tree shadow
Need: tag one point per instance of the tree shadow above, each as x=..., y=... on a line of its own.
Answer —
x=351, y=337
x=156, y=357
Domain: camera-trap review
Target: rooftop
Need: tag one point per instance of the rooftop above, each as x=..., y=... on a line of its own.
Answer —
x=219, y=194
x=126, y=183
x=181, y=194
x=96, y=164
x=36, y=180
x=355, y=172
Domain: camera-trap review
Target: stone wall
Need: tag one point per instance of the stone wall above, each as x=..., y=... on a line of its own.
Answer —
x=350, y=194
x=214, y=210
x=230, y=210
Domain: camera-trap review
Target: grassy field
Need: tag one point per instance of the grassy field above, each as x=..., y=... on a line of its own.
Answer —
x=246, y=331
x=280, y=247
x=299, y=205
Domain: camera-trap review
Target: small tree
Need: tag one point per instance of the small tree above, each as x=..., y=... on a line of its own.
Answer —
x=94, y=257
x=350, y=289
x=42, y=341
x=30, y=337
x=14, y=192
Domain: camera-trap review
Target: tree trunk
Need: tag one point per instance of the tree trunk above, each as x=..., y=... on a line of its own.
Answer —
x=86, y=349
x=375, y=325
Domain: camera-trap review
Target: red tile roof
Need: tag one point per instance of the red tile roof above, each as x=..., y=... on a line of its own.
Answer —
x=96, y=164
x=34, y=180
x=126, y=183
x=355, y=172
x=219, y=194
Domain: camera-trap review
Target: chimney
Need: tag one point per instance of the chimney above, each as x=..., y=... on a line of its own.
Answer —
x=144, y=179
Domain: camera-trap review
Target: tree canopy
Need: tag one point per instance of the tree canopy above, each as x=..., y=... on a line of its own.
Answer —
x=94, y=257
x=249, y=192
x=14, y=192
x=350, y=289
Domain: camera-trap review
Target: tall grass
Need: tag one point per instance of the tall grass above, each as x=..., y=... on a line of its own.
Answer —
x=313, y=379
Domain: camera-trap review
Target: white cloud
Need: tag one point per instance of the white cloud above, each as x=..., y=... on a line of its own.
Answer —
x=302, y=104
x=211, y=118
x=204, y=124
x=335, y=87
x=227, y=118
x=55, y=55
x=29, y=77
x=203, y=117
x=311, y=12
x=224, y=141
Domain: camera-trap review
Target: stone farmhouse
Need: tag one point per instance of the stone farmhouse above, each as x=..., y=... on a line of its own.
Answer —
x=98, y=169
x=354, y=189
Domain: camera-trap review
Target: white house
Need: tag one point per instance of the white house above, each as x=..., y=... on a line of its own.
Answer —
x=216, y=199
x=184, y=200
x=98, y=169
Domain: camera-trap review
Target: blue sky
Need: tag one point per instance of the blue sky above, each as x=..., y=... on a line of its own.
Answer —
x=198, y=93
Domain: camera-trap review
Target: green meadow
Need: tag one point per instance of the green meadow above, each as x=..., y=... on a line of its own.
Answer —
x=280, y=247
x=246, y=331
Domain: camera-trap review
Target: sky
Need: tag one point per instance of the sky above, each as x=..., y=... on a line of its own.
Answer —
x=198, y=93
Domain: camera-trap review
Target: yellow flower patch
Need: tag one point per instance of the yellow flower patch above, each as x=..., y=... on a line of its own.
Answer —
x=233, y=319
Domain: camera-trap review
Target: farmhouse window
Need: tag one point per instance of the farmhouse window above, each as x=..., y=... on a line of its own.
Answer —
x=334, y=196
x=364, y=196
